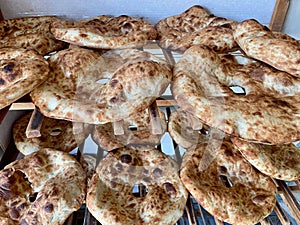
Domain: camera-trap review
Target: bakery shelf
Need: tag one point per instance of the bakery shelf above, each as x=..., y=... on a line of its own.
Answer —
x=286, y=211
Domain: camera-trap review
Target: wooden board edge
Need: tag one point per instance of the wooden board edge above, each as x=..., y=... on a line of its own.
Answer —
x=279, y=14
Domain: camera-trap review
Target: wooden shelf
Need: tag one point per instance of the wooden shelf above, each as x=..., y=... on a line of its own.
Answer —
x=279, y=14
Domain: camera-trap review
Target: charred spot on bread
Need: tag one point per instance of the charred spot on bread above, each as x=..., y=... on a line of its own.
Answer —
x=126, y=158
x=170, y=189
x=2, y=82
x=114, y=83
x=49, y=207
x=157, y=172
x=8, y=67
x=127, y=26
x=222, y=169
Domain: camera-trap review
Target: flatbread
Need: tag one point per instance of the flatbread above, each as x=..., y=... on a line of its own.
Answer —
x=225, y=184
x=258, y=42
x=111, y=199
x=181, y=130
x=58, y=134
x=44, y=187
x=201, y=86
x=105, y=32
x=21, y=71
x=88, y=162
x=90, y=87
x=140, y=134
x=278, y=161
x=195, y=26
x=30, y=33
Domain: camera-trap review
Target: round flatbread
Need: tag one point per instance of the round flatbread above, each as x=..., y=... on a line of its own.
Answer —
x=58, y=134
x=105, y=32
x=30, y=33
x=196, y=26
x=44, y=187
x=225, y=184
x=202, y=86
x=181, y=130
x=21, y=71
x=278, y=161
x=90, y=87
x=137, y=131
x=111, y=196
x=259, y=42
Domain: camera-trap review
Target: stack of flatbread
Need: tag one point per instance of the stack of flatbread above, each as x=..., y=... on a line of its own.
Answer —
x=89, y=71
x=196, y=26
x=30, y=33
x=252, y=107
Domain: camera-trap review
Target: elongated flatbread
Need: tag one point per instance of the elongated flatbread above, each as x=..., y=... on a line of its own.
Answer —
x=275, y=49
x=105, y=32
x=267, y=110
x=21, y=71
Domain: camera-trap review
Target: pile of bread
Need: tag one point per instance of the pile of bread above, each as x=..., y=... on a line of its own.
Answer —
x=86, y=76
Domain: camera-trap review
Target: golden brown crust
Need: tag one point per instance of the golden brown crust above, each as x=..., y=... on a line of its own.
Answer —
x=7, y=221
x=225, y=184
x=142, y=134
x=44, y=187
x=277, y=50
x=88, y=163
x=181, y=130
x=105, y=32
x=278, y=161
x=31, y=33
x=196, y=26
x=133, y=80
x=110, y=197
x=201, y=86
x=58, y=134
x=21, y=71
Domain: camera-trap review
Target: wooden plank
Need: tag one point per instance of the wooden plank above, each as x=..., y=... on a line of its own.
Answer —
x=298, y=184
x=34, y=125
x=279, y=14
x=190, y=211
x=281, y=214
x=202, y=215
x=290, y=200
x=166, y=102
x=218, y=222
x=155, y=120
x=294, y=189
x=31, y=106
x=22, y=106
x=169, y=56
x=119, y=127
x=265, y=222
